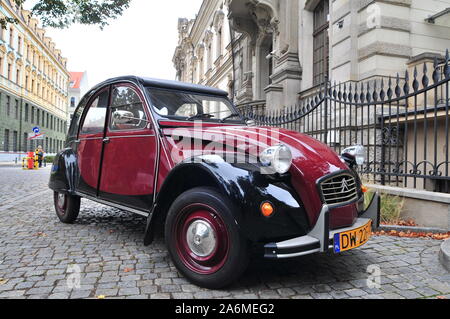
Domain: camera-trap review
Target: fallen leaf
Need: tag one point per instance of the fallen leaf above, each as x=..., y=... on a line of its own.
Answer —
x=3, y=281
x=128, y=269
x=441, y=297
x=40, y=234
x=101, y=297
x=410, y=234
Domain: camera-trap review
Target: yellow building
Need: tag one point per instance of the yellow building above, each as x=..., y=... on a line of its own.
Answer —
x=33, y=86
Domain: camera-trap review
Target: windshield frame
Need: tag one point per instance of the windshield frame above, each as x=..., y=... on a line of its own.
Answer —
x=224, y=99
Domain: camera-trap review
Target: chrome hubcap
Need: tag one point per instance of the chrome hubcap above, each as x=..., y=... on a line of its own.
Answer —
x=201, y=238
x=61, y=199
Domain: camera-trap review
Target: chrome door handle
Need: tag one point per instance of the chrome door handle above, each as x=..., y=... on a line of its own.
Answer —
x=106, y=140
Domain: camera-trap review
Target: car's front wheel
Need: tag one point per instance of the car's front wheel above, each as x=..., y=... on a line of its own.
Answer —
x=67, y=207
x=203, y=239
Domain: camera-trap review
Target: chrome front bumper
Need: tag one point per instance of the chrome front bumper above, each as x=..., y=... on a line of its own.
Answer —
x=321, y=238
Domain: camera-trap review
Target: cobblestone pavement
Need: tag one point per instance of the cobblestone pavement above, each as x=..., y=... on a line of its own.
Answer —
x=40, y=257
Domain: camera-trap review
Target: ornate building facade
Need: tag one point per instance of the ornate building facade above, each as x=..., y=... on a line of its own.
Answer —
x=274, y=52
x=33, y=86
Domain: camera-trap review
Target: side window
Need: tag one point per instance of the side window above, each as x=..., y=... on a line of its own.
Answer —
x=94, y=121
x=127, y=110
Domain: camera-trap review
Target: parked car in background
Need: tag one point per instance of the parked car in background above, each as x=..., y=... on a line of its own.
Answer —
x=183, y=156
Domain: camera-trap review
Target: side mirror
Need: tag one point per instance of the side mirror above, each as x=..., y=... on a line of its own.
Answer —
x=123, y=117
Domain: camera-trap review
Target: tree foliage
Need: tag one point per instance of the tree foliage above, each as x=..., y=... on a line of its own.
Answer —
x=63, y=13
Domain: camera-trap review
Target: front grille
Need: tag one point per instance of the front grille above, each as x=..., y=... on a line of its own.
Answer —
x=339, y=189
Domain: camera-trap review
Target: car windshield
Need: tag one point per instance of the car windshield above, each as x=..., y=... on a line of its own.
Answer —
x=192, y=106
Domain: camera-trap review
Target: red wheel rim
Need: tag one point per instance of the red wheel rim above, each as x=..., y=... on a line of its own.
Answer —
x=202, y=240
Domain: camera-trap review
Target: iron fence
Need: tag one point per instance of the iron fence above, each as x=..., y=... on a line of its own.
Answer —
x=403, y=122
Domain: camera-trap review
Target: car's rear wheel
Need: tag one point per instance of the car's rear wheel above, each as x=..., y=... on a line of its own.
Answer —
x=204, y=240
x=67, y=207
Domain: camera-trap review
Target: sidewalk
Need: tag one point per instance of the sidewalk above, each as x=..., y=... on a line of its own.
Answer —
x=18, y=165
x=10, y=164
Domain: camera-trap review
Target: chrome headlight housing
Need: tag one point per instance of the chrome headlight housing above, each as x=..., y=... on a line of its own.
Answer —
x=358, y=152
x=277, y=159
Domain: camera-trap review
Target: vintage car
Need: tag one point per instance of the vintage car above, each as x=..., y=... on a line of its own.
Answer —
x=183, y=156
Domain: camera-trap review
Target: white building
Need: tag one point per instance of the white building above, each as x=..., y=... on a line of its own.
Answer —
x=78, y=86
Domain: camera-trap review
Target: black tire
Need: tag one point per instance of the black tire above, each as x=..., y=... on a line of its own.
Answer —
x=67, y=211
x=230, y=254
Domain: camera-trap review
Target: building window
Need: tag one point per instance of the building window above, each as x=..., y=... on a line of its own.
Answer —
x=72, y=102
x=18, y=77
x=19, y=44
x=8, y=106
x=15, y=141
x=16, y=110
x=38, y=116
x=32, y=114
x=11, y=37
x=6, y=141
x=25, y=142
x=9, y=71
x=26, y=112
x=321, y=43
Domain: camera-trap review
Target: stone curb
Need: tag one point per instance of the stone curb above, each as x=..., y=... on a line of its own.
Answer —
x=444, y=254
x=413, y=229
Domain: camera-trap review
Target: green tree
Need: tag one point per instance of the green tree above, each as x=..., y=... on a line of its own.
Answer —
x=63, y=13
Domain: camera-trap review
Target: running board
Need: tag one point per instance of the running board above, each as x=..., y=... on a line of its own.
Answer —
x=118, y=206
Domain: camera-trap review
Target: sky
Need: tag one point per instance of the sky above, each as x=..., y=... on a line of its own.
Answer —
x=141, y=42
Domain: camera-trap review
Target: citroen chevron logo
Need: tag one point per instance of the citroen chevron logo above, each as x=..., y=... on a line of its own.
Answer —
x=345, y=187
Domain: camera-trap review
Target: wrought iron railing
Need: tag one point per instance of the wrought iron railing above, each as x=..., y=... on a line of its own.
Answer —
x=403, y=123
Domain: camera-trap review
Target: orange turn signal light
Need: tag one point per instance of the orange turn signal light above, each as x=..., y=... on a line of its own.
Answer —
x=267, y=209
x=364, y=189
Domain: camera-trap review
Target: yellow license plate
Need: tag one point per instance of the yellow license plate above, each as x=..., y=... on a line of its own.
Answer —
x=353, y=238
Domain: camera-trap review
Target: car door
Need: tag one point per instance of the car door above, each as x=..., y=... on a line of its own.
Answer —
x=90, y=142
x=128, y=166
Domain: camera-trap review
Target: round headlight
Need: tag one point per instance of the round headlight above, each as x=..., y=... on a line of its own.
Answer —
x=278, y=158
x=359, y=152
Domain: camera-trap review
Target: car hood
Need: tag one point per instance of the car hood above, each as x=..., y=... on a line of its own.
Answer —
x=312, y=159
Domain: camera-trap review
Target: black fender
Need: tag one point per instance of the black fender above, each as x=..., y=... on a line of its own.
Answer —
x=247, y=188
x=65, y=174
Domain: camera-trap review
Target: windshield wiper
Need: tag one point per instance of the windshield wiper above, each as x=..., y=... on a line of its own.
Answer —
x=229, y=117
x=201, y=116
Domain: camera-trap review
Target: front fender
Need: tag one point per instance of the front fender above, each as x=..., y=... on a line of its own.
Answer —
x=65, y=174
x=247, y=188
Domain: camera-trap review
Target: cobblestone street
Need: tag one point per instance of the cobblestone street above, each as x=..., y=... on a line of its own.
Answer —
x=39, y=258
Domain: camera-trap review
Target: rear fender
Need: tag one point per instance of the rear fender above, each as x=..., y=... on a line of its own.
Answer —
x=65, y=173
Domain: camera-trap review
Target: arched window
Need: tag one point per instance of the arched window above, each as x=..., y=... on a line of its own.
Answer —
x=321, y=42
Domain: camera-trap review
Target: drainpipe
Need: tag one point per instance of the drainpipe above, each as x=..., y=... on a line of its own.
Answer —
x=233, y=61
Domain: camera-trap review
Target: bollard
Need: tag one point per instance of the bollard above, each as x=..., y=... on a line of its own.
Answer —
x=30, y=160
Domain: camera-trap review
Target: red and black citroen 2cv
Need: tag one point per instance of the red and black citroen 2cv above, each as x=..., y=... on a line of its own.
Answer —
x=184, y=157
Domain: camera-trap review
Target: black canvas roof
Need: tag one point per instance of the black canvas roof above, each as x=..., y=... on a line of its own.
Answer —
x=167, y=84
